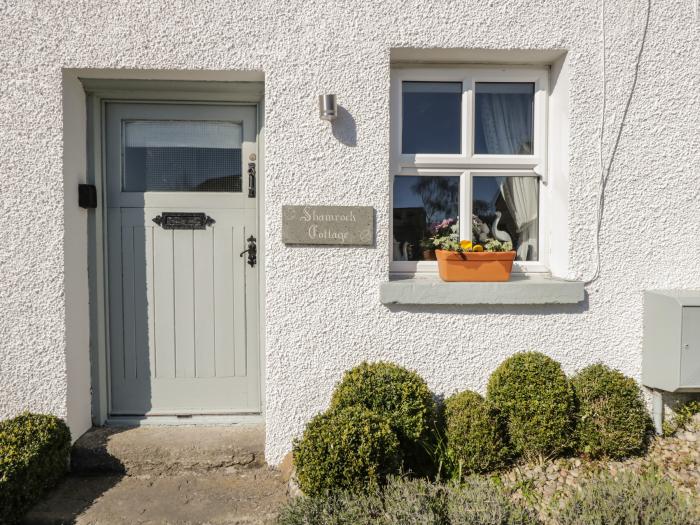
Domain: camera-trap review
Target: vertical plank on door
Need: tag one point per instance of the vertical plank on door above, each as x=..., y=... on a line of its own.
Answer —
x=150, y=298
x=238, y=269
x=163, y=303
x=116, y=328
x=183, y=286
x=128, y=297
x=141, y=253
x=223, y=298
x=204, y=339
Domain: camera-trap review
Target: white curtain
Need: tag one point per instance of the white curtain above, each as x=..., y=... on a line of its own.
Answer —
x=506, y=123
x=505, y=120
x=520, y=194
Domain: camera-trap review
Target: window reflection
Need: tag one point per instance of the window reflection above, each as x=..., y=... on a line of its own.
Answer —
x=420, y=203
x=431, y=117
x=506, y=208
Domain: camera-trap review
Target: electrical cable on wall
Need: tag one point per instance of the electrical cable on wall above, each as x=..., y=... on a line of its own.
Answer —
x=606, y=168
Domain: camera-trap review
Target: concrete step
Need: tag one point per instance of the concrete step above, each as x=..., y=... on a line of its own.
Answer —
x=167, y=450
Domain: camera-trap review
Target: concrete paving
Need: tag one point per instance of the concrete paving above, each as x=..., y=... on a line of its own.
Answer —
x=249, y=497
x=178, y=475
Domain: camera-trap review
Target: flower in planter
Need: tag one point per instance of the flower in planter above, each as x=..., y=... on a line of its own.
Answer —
x=494, y=245
x=444, y=235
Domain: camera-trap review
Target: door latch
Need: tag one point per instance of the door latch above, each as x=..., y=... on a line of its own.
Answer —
x=251, y=180
x=252, y=251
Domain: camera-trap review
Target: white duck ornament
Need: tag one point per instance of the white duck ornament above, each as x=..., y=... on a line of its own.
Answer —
x=499, y=234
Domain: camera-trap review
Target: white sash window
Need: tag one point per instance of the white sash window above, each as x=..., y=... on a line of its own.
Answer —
x=468, y=150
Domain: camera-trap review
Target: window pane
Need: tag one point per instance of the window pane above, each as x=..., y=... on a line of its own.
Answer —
x=431, y=117
x=503, y=118
x=182, y=156
x=507, y=209
x=419, y=204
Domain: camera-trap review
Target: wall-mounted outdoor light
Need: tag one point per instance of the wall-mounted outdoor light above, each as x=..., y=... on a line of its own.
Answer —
x=327, y=107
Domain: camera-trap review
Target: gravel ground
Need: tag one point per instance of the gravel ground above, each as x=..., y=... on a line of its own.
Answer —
x=544, y=485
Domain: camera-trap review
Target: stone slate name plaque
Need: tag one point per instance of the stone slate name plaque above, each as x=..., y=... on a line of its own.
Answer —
x=333, y=225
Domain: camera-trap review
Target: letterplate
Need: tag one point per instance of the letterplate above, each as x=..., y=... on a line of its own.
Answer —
x=175, y=220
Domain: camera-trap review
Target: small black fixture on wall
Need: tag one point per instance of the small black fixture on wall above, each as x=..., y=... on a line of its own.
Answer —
x=87, y=196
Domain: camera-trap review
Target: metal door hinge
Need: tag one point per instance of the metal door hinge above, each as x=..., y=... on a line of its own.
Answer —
x=251, y=180
x=252, y=251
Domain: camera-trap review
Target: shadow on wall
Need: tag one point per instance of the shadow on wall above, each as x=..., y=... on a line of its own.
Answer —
x=482, y=309
x=345, y=128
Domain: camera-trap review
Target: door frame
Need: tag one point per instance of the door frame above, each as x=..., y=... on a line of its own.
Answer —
x=98, y=93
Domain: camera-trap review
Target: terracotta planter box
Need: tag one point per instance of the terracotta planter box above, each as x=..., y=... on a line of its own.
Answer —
x=474, y=266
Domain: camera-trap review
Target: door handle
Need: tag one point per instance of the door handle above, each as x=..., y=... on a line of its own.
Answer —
x=252, y=251
x=251, y=180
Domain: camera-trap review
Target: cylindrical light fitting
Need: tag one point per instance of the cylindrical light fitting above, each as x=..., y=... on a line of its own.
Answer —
x=327, y=107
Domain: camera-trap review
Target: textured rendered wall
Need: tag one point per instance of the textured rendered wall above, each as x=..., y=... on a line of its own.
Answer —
x=323, y=309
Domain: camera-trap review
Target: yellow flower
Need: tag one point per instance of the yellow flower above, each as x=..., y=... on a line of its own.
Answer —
x=465, y=245
x=478, y=248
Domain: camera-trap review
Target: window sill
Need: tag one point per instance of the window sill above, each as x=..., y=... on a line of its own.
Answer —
x=520, y=289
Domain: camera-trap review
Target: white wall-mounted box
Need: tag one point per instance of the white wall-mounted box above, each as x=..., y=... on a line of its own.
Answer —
x=671, y=355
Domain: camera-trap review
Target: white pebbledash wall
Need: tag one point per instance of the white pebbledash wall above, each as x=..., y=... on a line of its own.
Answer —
x=323, y=313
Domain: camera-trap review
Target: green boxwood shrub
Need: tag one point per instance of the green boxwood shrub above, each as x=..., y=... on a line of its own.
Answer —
x=349, y=448
x=400, y=395
x=628, y=499
x=475, y=434
x=34, y=452
x=532, y=393
x=611, y=418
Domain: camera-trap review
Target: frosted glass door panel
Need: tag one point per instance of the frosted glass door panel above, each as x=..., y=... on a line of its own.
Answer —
x=187, y=156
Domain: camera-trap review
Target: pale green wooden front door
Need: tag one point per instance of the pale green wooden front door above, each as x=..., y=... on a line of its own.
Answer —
x=183, y=303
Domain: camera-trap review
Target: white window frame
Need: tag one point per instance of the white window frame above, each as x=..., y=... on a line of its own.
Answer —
x=466, y=164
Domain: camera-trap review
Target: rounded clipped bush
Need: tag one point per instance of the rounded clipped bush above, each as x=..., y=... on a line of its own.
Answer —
x=34, y=452
x=628, y=499
x=400, y=395
x=475, y=434
x=611, y=418
x=390, y=390
x=346, y=449
x=532, y=393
